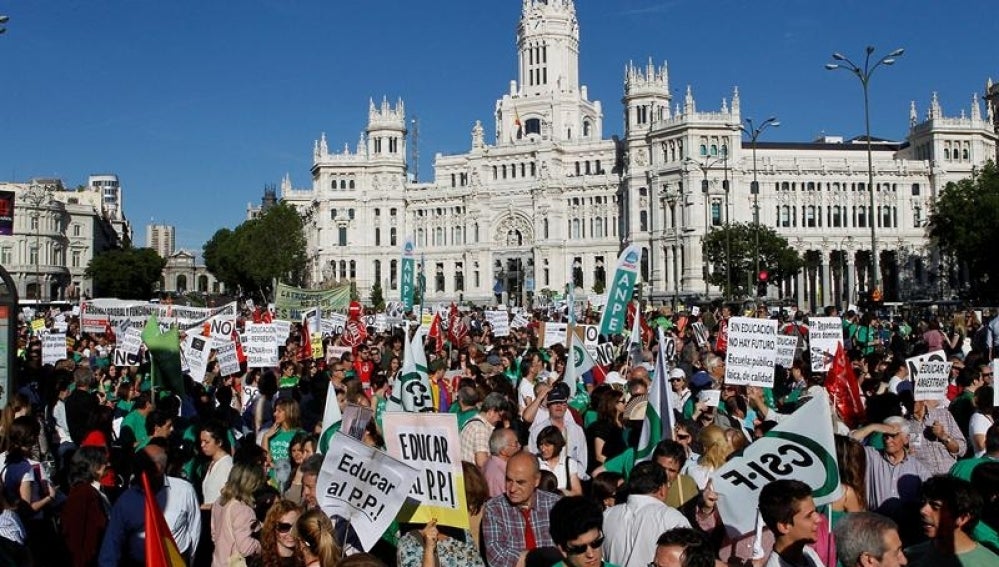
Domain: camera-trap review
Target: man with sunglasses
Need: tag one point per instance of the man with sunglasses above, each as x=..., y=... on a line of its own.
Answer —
x=635, y=525
x=577, y=530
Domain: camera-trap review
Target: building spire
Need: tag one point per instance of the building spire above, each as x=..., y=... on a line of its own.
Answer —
x=935, y=111
x=688, y=102
x=735, y=101
x=976, y=111
x=913, y=116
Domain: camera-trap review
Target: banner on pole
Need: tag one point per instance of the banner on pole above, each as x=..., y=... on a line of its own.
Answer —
x=800, y=447
x=622, y=286
x=291, y=302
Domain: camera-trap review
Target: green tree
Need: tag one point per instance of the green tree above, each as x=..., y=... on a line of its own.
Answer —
x=377, y=298
x=129, y=273
x=964, y=224
x=739, y=239
x=259, y=251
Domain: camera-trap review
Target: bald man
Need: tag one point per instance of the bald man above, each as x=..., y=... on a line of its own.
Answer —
x=517, y=521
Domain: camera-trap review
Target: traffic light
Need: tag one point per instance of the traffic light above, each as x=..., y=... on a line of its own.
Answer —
x=761, y=283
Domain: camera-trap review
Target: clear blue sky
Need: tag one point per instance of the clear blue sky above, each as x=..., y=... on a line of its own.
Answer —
x=196, y=105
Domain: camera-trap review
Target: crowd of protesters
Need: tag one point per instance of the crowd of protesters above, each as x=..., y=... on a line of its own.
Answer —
x=549, y=473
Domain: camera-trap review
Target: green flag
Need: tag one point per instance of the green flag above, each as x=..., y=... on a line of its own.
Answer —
x=619, y=293
x=407, y=288
x=164, y=355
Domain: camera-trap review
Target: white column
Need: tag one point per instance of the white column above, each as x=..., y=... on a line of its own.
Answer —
x=826, y=280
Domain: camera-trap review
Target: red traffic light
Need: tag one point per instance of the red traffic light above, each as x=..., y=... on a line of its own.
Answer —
x=763, y=275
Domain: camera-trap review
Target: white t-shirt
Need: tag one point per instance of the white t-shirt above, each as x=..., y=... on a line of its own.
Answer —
x=980, y=423
x=812, y=559
x=559, y=470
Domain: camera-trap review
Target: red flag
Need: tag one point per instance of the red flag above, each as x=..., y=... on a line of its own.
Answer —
x=843, y=387
x=240, y=355
x=629, y=319
x=456, y=329
x=435, y=333
x=305, y=349
x=161, y=549
x=109, y=333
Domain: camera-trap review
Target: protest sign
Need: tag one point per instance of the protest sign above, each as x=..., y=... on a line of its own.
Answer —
x=53, y=347
x=282, y=330
x=800, y=447
x=362, y=485
x=355, y=420
x=553, y=334
x=130, y=341
x=196, y=351
x=751, y=353
x=333, y=324
x=37, y=325
x=260, y=346
x=519, y=321
x=589, y=335
x=604, y=354
x=700, y=334
x=291, y=302
x=929, y=374
x=824, y=335
x=786, y=346
x=430, y=443
x=97, y=314
x=500, y=322
x=225, y=353
x=335, y=353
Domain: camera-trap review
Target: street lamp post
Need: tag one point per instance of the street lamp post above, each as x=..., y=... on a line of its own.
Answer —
x=864, y=74
x=705, y=167
x=37, y=196
x=754, y=132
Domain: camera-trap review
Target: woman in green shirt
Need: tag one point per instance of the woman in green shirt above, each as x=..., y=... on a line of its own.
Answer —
x=277, y=439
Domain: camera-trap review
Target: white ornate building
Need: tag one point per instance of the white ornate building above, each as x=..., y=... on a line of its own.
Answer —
x=56, y=233
x=549, y=199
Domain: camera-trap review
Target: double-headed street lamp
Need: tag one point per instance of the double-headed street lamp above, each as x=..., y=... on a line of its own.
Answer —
x=37, y=196
x=754, y=132
x=705, y=167
x=864, y=74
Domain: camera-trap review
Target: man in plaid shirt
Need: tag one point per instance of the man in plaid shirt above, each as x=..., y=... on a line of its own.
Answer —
x=517, y=521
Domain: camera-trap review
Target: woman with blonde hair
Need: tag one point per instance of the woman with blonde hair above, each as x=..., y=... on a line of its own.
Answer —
x=279, y=548
x=233, y=517
x=319, y=548
x=277, y=440
x=716, y=449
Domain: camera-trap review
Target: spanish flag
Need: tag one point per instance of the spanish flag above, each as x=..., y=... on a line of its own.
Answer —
x=161, y=549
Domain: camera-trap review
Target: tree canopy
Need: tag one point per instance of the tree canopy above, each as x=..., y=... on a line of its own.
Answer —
x=271, y=246
x=129, y=273
x=964, y=223
x=778, y=259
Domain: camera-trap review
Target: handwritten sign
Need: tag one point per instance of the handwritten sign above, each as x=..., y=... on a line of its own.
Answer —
x=364, y=486
x=751, y=352
x=196, y=351
x=500, y=322
x=260, y=346
x=786, y=346
x=430, y=443
x=225, y=353
x=825, y=334
x=53, y=347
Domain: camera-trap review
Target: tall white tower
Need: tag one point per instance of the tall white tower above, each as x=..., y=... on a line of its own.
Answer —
x=546, y=102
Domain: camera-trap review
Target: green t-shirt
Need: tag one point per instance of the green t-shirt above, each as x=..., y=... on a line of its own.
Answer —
x=137, y=423
x=963, y=468
x=926, y=555
x=463, y=416
x=280, y=443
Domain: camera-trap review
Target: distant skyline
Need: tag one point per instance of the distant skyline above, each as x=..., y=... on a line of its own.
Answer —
x=196, y=106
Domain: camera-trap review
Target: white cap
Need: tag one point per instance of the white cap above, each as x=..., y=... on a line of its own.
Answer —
x=614, y=377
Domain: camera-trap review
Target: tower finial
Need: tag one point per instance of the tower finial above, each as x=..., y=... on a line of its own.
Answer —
x=688, y=101
x=976, y=111
x=913, y=116
x=935, y=110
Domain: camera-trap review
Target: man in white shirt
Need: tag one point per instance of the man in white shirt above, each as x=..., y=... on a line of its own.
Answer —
x=557, y=400
x=632, y=529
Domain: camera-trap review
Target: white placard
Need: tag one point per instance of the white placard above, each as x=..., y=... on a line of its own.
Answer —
x=929, y=374
x=554, y=334
x=335, y=353
x=786, y=346
x=711, y=398
x=130, y=341
x=260, y=346
x=751, y=352
x=333, y=324
x=282, y=329
x=519, y=322
x=196, y=351
x=225, y=354
x=53, y=347
x=364, y=486
x=500, y=322
x=700, y=334
x=825, y=334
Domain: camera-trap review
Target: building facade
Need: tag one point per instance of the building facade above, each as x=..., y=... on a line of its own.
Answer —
x=161, y=238
x=549, y=200
x=56, y=233
x=183, y=273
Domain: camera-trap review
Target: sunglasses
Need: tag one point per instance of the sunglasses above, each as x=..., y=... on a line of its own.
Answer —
x=581, y=548
x=682, y=436
x=284, y=527
x=676, y=379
